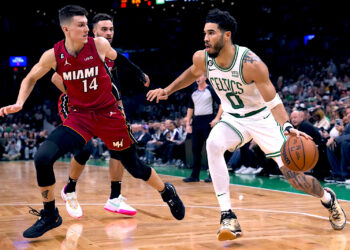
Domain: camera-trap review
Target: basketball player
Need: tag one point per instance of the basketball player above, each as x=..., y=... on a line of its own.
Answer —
x=102, y=26
x=248, y=99
x=79, y=60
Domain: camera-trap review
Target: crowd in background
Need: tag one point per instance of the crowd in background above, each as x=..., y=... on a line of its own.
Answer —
x=318, y=96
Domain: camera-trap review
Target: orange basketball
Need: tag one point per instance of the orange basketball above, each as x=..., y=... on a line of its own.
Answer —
x=299, y=154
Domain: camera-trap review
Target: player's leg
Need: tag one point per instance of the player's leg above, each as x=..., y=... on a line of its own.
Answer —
x=268, y=135
x=139, y=170
x=68, y=192
x=222, y=137
x=59, y=142
x=312, y=186
x=116, y=202
x=113, y=131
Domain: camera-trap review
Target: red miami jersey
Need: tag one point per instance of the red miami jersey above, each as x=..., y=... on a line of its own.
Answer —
x=87, y=80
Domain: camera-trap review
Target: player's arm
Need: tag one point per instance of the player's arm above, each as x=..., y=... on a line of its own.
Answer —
x=135, y=71
x=46, y=62
x=57, y=80
x=104, y=48
x=255, y=70
x=185, y=79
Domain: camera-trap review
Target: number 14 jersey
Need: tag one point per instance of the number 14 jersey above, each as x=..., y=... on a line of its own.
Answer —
x=88, y=83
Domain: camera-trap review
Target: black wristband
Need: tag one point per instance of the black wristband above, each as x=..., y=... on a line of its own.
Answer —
x=287, y=126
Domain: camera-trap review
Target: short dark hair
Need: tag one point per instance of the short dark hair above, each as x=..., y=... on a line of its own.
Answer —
x=69, y=11
x=223, y=19
x=101, y=17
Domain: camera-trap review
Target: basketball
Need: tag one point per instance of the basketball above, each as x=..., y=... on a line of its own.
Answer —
x=299, y=154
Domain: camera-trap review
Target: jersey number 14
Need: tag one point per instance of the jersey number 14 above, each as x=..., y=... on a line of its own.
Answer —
x=93, y=85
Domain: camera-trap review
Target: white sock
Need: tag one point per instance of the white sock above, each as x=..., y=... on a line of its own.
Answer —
x=326, y=198
x=224, y=201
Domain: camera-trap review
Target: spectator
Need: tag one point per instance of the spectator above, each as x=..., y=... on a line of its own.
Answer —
x=322, y=167
x=338, y=152
x=321, y=119
x=12, y=151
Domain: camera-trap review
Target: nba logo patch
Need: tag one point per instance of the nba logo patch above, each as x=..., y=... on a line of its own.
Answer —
x=234, y=73
x=61, y=55
x=210, y=63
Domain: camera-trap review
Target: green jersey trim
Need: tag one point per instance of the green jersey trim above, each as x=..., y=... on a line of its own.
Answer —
x=247, y=114
x=237, y=132
x=233, y=61
x=241, y=67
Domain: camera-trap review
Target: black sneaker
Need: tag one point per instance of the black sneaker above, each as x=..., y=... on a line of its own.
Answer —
x=46, y=222
x=174, y=202
x=230, y=228
x=190, y=179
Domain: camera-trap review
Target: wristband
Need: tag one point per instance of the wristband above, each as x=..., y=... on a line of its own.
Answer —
x=287, y=126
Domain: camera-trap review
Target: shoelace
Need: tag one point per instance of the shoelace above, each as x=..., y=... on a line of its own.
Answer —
x=335, y=212
x=226, y=222
x=72, y=201
x=34, y=211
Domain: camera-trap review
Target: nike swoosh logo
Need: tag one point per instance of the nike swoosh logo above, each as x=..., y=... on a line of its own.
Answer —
x=267, y=116
x=211, y=69
x=221, y=194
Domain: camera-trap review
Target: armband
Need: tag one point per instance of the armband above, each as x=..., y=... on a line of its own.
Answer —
x=274, y=102
x=287, y=126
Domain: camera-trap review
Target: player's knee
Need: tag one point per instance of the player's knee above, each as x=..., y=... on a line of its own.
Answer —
x=44, y=159
x=132, y=164
x=214, y=146
x=82, y=156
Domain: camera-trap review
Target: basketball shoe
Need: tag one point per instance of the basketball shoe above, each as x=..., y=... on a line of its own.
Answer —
x=72, y=204
x=47, y=221
x=337, y=216
x=118, y=205
x=174, y=202
x=230, y=228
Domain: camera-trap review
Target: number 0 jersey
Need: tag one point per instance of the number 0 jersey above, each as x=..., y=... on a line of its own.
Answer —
x=87, y=80
x=238, y=97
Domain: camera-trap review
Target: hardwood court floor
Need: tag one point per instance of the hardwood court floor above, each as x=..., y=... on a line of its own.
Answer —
x=269, y=219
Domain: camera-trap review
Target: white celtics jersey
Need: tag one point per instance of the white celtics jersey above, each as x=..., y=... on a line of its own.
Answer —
x=238, y=97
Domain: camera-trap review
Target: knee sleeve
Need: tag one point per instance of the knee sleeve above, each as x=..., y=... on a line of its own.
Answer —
x=83, y=155
x=132, y=164
x=44, y=159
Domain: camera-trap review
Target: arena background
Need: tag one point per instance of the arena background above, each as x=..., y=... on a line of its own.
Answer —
x=162, y=38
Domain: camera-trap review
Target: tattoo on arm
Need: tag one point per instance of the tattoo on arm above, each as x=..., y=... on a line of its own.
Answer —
x=251, y=57
x=45, y=194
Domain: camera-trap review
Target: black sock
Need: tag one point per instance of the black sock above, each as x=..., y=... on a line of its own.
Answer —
x=116, y=187
x=50, y=206
x=70, y=186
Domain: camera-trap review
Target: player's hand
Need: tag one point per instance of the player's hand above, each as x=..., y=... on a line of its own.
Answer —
x=14, y=108
x=295, y=132
x=147, y=82
x=158, y=94
x=213, y=122
x=189, y=129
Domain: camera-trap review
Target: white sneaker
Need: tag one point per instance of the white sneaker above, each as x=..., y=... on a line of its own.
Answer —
x=118, y=205
x=242, y=168
x=72, y=204
x=248, y=170
x=258, y=170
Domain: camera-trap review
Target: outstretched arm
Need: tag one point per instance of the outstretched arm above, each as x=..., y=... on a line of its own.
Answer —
x=254, y=70
x=46, y=62
x=185, y=79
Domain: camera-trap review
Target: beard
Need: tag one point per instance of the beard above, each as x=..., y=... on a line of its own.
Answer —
x=217, y=48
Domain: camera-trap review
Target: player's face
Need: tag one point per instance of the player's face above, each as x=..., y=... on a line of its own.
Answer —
x=213, y=39
x=78, y=29
x=105, y=29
